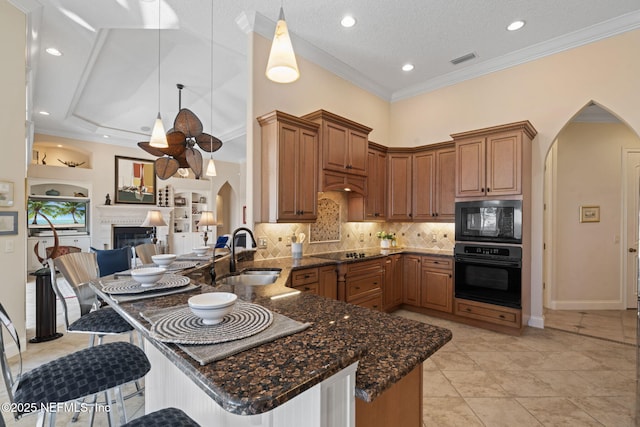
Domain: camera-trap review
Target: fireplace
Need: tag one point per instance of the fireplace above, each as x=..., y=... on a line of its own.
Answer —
x=130, y=236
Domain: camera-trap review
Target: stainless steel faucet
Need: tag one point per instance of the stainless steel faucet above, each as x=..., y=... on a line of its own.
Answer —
x=232, y=261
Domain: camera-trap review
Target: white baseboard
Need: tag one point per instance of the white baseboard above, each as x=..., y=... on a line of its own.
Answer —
x=587, y=305
x=536, y=322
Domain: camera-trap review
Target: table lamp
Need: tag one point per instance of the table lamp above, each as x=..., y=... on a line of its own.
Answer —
x=206, y=219
x=154, y=219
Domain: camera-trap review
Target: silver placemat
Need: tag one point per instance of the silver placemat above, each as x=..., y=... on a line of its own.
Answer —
x=121, y=298
x=180, y=265
x=282, y=326
x=184, y=327
x=130, y=286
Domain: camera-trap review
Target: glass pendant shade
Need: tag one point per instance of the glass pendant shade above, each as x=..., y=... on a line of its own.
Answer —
x=211, y=168
x=158, y=136
x=282, y=66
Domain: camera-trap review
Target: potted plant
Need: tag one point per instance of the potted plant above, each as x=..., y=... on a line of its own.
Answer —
x=385, y=239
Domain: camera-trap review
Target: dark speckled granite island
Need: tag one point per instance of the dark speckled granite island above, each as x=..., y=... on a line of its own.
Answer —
x=302, y=379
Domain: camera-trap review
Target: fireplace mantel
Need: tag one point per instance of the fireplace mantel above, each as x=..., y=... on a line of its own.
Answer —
x=108, y=216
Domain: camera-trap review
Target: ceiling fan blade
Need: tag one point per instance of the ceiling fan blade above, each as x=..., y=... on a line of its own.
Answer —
x=151, y=150
x=182, y=159
x=166, y=167
x=208, y=143
x=188, y=123
x=194, y=158
x=175, y=137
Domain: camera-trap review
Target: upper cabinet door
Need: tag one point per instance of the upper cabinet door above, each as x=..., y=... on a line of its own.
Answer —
x=423, y=167
x=334, y=148
x=445, y=184
x=504, y=164
x=470, y=168
x=358, y=149
x=399, y=194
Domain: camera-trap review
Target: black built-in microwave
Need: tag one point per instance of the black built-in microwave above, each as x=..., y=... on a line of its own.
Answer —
x=497, y=221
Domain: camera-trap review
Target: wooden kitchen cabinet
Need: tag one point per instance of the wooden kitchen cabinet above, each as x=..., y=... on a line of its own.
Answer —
x=320, y=281
x=373, y=205
x=421, y=183
x=411, y=280
x=436, y=284
x=364, y=281
x=343, y=143
x=489, y=162
x=393, y=280
x=289, y=168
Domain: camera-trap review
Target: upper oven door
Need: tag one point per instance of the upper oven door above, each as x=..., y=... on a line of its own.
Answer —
x=498, y=221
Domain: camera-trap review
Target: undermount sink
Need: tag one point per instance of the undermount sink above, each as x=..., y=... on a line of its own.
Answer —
x=252, y=279
x=270, y=271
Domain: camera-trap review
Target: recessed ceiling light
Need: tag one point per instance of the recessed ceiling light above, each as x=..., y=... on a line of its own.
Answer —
x=348, y=21
x=44, y=113
x=407, y=67
x=105, y=136
x=59, y=145
x=53, y=51
x=515, y=25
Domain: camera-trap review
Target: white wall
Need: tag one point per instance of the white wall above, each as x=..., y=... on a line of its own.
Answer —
x=587, y=255
x=13, y=160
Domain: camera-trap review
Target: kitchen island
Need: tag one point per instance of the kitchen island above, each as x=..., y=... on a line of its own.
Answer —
x=297, y=371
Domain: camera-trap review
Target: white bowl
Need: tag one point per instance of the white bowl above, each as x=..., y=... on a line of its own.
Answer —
x=147, y=276
x=163, y=260
x=213, y=306
x=201, y=250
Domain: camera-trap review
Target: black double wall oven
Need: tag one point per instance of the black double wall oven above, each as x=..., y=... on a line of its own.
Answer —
x=488, y=252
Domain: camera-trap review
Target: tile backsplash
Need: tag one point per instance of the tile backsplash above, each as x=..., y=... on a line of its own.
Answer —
x=351, y=235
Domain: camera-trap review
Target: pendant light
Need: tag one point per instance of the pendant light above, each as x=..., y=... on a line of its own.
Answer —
x=158, y=135
x=211, y=167
x=282, y=66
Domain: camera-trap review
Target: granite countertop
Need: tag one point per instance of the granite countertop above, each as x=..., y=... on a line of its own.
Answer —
x=257, y=380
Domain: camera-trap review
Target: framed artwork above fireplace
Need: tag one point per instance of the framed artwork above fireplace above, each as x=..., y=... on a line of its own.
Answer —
x=135, y=181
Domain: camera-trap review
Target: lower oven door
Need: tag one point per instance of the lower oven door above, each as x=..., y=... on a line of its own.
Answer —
x=490, y=281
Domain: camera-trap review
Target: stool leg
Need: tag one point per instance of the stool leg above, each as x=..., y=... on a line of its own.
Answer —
x=111, y=413
x=52, y=419
x=41, y=417
x=121, y=408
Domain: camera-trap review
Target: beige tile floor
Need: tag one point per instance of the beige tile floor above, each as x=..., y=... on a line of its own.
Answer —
x=615, y=325
x=542, y=378
x=481, y=378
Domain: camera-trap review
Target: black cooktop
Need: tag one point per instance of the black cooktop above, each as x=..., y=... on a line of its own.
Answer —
x=349, y=255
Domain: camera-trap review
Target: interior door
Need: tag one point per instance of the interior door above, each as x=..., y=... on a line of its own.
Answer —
x=632, y=229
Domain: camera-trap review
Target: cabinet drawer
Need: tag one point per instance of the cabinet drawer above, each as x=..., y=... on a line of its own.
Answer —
x=362, y=268
x=303, y=277
x=311, y=288
x=437, y=262
x=357, y=288
x=488, y=312
x=374, y=302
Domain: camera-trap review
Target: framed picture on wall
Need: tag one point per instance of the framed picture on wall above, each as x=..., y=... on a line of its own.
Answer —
x=589, y=213
x=6, y=194
x=8, y=223
x=135, y=181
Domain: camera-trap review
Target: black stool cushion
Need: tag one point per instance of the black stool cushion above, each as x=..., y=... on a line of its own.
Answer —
x=82, y=373
x=104, y=320
x=165, y=417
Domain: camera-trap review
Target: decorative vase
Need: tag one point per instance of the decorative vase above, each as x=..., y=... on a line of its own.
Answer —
x=385, y=244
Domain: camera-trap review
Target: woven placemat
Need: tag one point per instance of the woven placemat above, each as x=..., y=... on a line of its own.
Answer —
x=208, y=353
x=184, y=327
x=130, y=286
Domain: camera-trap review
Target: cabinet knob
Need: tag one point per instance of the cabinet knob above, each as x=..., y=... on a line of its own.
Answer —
x=375, y=283
x=410, y=215
x=501, y=316
x=357, y=288
x=482, y=190
x=488, y=189
x=468, y=309
x=449, y=275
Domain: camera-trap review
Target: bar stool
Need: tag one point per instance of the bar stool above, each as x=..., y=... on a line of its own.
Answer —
x=78, y=375
x=164, y=417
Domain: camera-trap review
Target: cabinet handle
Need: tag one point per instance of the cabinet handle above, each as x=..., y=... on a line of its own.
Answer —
x=501, y=316
x=436, y=213
x=410, y=215
x=375, y=306
x=306, y=288
x=375, y=283
x=306, y=276
x=488, y=189
x=482, y=190
x=449, y=275
x=468, y=310
x=357, y=288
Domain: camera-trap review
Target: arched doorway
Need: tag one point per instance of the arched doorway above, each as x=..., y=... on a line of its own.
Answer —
x=223, y=209
x=588, y=278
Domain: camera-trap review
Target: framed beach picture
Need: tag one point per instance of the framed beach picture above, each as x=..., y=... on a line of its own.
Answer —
x=6, y=194
x=589, y=213
x=135, y=181
x=8, y=223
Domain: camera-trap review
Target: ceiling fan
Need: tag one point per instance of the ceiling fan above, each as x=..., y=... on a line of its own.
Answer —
x=182, y=139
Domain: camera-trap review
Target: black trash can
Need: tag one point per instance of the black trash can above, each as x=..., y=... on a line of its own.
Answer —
x=45, y=308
